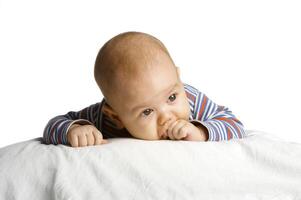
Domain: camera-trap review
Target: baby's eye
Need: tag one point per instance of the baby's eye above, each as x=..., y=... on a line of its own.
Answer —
x=172, y=97
x=147, y=112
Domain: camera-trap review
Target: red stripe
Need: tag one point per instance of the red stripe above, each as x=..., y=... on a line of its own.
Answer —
x=204, y=102
x=190, y=96
x=229, y=135
x=231, y=123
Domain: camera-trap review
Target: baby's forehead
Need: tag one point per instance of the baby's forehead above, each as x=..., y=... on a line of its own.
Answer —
x=148, y=88
x=142, y=74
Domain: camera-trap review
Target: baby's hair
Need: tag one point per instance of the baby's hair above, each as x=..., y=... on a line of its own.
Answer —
x=123, y=54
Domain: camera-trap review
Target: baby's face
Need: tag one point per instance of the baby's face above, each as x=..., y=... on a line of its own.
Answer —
x=150, y=100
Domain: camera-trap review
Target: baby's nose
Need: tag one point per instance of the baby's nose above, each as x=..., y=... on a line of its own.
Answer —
x=166, y=122
x=162, y=121
x=162, y=129
x=165, y=116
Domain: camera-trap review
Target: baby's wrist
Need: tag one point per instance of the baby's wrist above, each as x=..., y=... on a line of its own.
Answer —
x=74, y=125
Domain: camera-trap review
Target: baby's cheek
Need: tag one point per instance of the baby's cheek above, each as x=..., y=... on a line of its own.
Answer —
x=150, y=132
x=147, y=131
x=184, y=110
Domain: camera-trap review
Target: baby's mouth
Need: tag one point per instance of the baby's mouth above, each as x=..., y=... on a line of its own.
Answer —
x=163, y=135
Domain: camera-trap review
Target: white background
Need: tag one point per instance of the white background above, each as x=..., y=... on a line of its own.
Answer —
x=242, y=54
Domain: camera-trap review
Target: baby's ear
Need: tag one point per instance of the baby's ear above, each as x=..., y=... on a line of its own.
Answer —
x=108, y=111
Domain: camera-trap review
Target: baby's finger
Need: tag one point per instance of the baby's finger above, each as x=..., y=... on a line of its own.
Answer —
x=90, y=139
x=170, y=130
x=176, y=128
x=74, y=141
x=183, y=132
x=104, y=141
x=97, y=137
x=82, y=141
x=170, y=136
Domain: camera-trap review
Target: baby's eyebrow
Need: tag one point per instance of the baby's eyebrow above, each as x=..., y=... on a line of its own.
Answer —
x=145, y=105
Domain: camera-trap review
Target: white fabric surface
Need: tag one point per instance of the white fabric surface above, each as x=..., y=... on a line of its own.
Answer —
x=256, y=167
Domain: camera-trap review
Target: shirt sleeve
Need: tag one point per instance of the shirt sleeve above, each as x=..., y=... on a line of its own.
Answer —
x=219, y=120
x=56, y=129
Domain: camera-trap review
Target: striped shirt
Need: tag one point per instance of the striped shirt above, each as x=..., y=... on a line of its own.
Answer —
x=219, y=120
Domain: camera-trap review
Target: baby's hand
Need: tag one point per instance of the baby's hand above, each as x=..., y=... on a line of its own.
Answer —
x=184, y=130
x=84, y=135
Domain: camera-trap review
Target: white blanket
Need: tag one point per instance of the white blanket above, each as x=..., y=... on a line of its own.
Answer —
x=257, y=167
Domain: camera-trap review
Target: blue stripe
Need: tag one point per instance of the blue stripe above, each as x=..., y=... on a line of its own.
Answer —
x=197, y=109
x=206, y=109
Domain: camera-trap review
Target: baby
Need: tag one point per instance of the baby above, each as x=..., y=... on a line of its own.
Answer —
x=144, y=98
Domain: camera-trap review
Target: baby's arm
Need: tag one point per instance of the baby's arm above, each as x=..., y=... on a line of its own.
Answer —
x=219, y=120
x=57, y=128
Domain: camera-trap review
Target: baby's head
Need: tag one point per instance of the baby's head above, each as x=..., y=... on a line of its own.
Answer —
x=141, y=85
